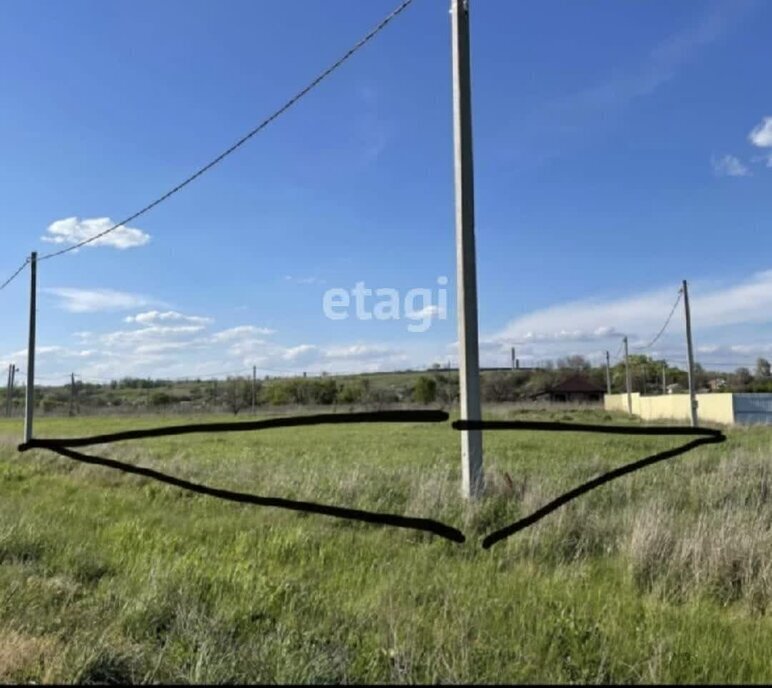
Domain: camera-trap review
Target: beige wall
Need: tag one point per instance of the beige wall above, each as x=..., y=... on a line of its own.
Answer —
x=618, y=402
x=711, y=408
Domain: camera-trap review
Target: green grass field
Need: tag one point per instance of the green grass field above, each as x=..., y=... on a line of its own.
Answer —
x=663, y=576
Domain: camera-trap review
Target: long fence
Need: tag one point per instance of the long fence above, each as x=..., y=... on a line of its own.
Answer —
x=723, y=408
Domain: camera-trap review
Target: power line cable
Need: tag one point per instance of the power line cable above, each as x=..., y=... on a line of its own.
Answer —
x=244, y=138
x=361, y=43
x=14, y=275
x=664, y=327
x=618, y=354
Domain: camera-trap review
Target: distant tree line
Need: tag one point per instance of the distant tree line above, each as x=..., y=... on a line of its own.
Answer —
x=436, y=386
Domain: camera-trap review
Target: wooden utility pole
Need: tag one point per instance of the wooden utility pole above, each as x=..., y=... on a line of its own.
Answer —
x=466, y=272
x=608, y=373
x=29, y=410
x=628, y=382
x=690, y=355
x=254, y=388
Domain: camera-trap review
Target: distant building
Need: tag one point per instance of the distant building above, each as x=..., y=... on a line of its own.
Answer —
x=716, y=385
x=574, y=388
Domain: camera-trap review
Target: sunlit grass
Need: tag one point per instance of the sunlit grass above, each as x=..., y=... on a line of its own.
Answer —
x=664, y=575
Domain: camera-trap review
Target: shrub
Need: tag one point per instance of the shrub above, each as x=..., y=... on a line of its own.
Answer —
x=425, y=390
x=161, y=399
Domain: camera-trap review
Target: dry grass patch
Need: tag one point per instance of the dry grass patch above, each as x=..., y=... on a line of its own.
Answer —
x=23, y=656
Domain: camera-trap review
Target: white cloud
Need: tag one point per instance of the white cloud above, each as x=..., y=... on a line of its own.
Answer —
x=94, y=300
x=153, y=317
x=73, y=230
x=303, y=353
x=590, y=326
x=761, y=135
x=149, y=335
x=749, y=301
x=729, y=166
x=166, y=343
x=162, y=347
x=428, y=312
x=241, y=332
x=247, y=347
x=311, y=358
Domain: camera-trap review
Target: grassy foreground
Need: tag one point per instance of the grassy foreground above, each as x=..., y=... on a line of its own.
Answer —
x=663, y=576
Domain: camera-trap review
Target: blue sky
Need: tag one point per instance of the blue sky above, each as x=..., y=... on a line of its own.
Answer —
x=620, y=147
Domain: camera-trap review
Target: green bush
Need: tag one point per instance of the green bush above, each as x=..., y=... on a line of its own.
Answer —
x=425, y=390
x=161, y=399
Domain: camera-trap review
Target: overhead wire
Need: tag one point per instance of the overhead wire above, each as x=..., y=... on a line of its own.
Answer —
x=228, y=151
x=667, y=322
x=618, y=354
x=15, y=274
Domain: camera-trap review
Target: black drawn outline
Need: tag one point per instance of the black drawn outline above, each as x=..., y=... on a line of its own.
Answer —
x=63, y=447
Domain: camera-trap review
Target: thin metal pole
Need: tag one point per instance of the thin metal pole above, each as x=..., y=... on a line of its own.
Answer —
x=29, y=411
x=628, y=382
x=608, y=373
x=72, y=394
x=664, y=378
x=13, y=384
x=8, y=392
x=466, y=273
x=690, y=355
x=254, y=388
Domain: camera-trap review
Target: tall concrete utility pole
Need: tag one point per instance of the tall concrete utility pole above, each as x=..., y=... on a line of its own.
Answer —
x=466, y=273
x=628, y=382
x=690, y=355
x=513, y=358
x=29, y=410
x=608, y=373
